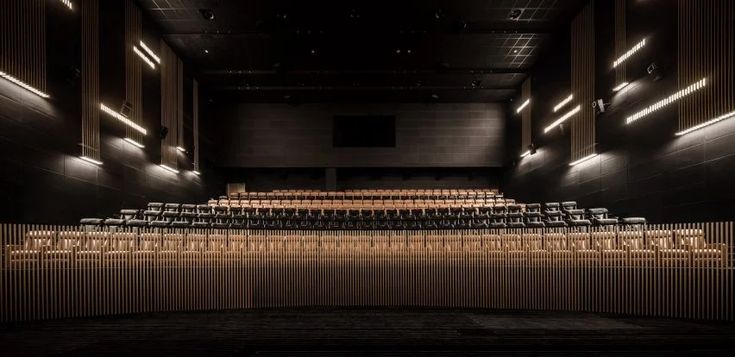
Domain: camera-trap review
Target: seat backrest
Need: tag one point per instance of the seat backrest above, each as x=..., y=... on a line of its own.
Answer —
x=604, y=240
x=512, y=242
x=579, y=240
x=493, y=242
x=171, y=241
x=149, y=241
x=691, y=237
x=37, y=239
x=69, y=240
x=118, y=242
x=660, y=238
x=632, y=239
x=555, y=241
x=533, y=241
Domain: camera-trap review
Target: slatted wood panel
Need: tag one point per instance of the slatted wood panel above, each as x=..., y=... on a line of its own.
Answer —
x=583, y=82
x=195, y=125
x=133, y=68
x=55, y=272
x=526, y=115
x=23, y=41
x=90, y=77
x=706, y=38
x=621, y=41
x=170, y=106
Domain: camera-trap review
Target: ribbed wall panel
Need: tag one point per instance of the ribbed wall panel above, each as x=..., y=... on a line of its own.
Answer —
x=23, y=41
x=90, y=78
x=583, y=82
x=526, y=115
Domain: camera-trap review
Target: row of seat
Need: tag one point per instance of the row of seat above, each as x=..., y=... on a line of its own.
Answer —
x=222, y=217
x=634, y=246
x=366, y=195
x=368, y=203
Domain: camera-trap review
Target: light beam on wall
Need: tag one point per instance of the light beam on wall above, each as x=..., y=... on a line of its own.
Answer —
x=150, y=52
x=668, y=100
x=170, y=169
x=629, y=53
x=144, y=57
x=563, y=102
x=123, y=119
x=23, y=85
x=135, y=143
x=91, y=160
x=518, y=110
x=563, y=118
x=707, y=123
x=588, y=157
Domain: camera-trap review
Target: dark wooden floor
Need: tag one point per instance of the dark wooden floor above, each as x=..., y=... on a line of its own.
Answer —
x=369, y=332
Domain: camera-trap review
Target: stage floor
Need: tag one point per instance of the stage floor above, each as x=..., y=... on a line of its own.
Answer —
x=369, y=332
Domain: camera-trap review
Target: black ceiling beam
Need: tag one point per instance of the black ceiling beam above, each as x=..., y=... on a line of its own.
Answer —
x=358, y=88
x=471, y=71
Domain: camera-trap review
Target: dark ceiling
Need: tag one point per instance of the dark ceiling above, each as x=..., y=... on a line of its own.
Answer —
x=316, y=51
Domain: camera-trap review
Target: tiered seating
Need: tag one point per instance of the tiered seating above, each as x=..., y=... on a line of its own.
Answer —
x=362, y=210
x=656, y=247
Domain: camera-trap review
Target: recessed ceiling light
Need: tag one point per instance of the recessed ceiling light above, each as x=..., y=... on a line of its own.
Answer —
x=206, y=52
x=207, y=14
x=313, y=51
x=408, y=51
x=398, y=51
x=515, y=50
x=515, y=14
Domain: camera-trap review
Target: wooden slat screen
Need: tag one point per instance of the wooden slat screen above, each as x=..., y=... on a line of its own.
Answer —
x=621, y=40
x=526, y=115
x=583, y=82
x=23, y=41
x=706, y=39
x=90, y=78
x=50, y=272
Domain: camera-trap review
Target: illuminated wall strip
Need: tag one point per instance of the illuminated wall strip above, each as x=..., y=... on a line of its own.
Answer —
x=707, y=123
x=150, y=52
x=563, y=103
x=518, y=110
x=563, y=118
x=68, y=4
x=620, y=86
x=91, y=160
x=588, y=157
x=135, y=143
x=630, y=52
x=146, y=59
x=528, y=152
x=180, y=149
x=170, y=169
x=196, y=172
x=668, y=100
x=123, y=119
x=23, y=85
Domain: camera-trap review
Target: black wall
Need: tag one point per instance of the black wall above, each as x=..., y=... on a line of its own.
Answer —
x=42, y=180
x=642, y=169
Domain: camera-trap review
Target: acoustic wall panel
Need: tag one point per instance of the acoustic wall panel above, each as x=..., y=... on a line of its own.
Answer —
x=171, y=105
x=621, y=41
x=526, y=115
x=23, y=44
x=133, y=67
x=583, y=82
x=90, y=77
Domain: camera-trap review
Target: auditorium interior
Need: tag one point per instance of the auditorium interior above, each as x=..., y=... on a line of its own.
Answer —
x=367, y=178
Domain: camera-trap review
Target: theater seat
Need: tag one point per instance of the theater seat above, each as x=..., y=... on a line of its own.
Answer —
x=599, y=217
x=702, y=253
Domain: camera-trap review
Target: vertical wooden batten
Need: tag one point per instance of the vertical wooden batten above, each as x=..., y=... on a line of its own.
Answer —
x=583, y=82
x=90, y=78
x=23, y=41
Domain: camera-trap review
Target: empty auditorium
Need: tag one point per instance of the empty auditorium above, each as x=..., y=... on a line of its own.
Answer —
x=367, y=178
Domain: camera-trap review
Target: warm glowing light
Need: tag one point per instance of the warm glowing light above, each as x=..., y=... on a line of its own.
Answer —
x=707, y=123
x=180, y=149
x=582, y=160
x=668, y=100
x=141, y=55
x=91, y=160
x=123, y=119
x=196, y=172
x=630, y=52
x=139, y=145
x=563, y=118
x=563, y=102
x=68, y=4
x=23, y=85
x=150, y=52
x=528, y=152
x=620, y=86
x=518, y=110
x=171, y=169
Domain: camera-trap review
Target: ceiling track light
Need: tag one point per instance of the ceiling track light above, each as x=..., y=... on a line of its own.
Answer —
x=68, y=4
x=150, y=52
x=23, y=85
x=144, y=57
x=169, y=168
x=629, y=53
x=668, y=100
x=563, y=118
x=620, y=86
x=91, y=160
x=707, y=123
x=586, y=158
x=564, y=102
x=524, y=105
x=135, y=143
x=123, y=119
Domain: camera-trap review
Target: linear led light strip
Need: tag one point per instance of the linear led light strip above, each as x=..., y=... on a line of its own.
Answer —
x=668, y=100
x=144, y=57
x=150, y=52
x=91, y=160
x=68, y=4
x=518, y=110
x=563, y=102
x=563, y=118
x=707, y=123
x=23, y=85
x=582, y=160
x=169, y=168
x=135, y=143
x=528, y=152
x=196, y=172
x=630, y=52
x=620, y=86
x=123, y=119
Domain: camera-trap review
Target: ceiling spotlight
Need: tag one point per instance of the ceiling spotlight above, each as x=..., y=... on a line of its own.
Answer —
x=398, y=51
x=515, y=50
x=408, y=51
x=207, y=14
x=313, y=51
x=515, y=14
x=206, y=52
